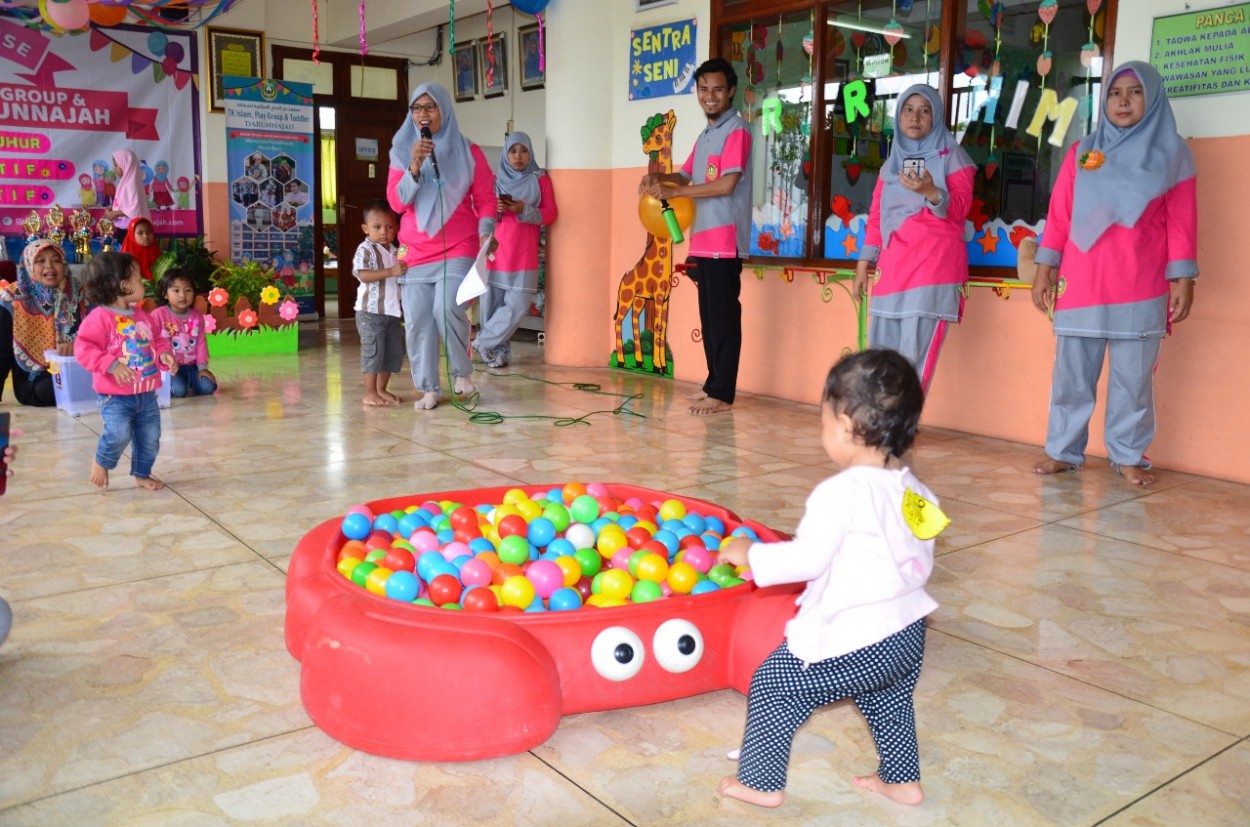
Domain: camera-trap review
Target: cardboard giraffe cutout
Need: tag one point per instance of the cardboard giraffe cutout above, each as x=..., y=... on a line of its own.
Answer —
x=643, y=293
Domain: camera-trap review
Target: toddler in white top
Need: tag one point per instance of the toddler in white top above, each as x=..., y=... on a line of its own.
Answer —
x=865, y=549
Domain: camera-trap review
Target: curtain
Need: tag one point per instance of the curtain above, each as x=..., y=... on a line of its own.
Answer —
x=329, y=181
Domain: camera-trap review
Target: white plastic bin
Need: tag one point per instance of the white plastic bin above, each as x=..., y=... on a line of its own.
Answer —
x=72, y=384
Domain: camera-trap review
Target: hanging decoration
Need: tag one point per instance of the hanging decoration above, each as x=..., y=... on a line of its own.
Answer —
x=535, y=8
x=1046, y=12
x=1089, y=53
x=995, y=88
x=316, y=35
x=490, y=44
x=451, y=28
x=364, y=44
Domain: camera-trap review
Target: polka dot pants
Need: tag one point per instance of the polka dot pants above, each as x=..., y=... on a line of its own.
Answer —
x=879, y=678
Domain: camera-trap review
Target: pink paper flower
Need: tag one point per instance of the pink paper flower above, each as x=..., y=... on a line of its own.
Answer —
x=210, y=324
x=288, y=310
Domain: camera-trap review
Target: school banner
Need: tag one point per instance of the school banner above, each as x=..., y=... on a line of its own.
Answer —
x=269, y=160
x=68, y=101
x=662, y=60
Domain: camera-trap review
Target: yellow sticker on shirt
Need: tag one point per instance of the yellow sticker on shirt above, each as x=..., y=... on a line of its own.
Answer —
x=924, y=518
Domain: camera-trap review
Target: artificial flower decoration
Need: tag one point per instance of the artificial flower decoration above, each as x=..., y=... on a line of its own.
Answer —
x=1092, y=159
x=269, y=295
x=210, y=324
x=288, y=310
x=218, y=297
x=248, y=319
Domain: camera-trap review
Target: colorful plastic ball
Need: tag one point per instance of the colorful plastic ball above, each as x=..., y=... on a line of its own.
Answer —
x=446, y=535
x=672, y=510
x=611, y=539
x=400, y=559
x=424, y=601
x=584, y=509
x=632, y=565
x=512, y=525
x=711, y=540
x=645, y=591
x=705, y=586
x=424, y=539
x=518, y=591
x=621, y=559
x=720, y=573
x=745, y=531
x=560, y=547
x=589, y=560
x=636, y=536
x=514, y=549
x=670, y=540
x=600, y=523
x=479, y=599
x=455, y=549
x=698, y=558
x=529, y=509
x=464, y=517
x=375, y=581
x=714, y=524
x=361, y=572
x=353, y=548
x=346, y=565
x=571, y=568
x=555, y=495
x=505, y=571
x=514, y=495
x=464, y=535
x=541, y=531
x=602, y=601
x=695, y=522
x=375, y=555
x=356, y=526
x=475, y=572
x=479, y=544
x=564, y=600
x=615, y=584
x=580, y=535
x=403, y=585
x=652, y=567
x=444, y=589
x=559, y=516
x=455, y=607
x=682, y=577
x=546, y=577
x=385, y=522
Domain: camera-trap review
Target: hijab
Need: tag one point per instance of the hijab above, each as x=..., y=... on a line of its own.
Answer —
x=522, y=185
x=60, y=305
x=941, y=152
x=144, y=256
x=1140, y=162
x=455, y=162
x=130, y=199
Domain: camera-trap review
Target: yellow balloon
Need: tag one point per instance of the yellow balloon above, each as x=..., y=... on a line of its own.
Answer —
x=652, y=215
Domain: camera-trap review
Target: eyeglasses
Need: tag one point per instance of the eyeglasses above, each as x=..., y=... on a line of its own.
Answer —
x=423, y=107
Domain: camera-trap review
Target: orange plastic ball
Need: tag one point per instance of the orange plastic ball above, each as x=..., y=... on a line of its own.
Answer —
x=682, y=578
x=571, y=568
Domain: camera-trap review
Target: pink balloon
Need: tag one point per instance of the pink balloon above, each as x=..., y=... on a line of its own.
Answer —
x=70, y=15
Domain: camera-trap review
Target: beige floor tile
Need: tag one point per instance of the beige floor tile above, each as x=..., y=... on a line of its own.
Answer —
x=1214, y=794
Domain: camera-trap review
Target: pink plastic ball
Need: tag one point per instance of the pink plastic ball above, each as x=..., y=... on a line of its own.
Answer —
x=699, y=558
x=476, y=572
x=546, y=577
x=424, y=540
x=456, y=549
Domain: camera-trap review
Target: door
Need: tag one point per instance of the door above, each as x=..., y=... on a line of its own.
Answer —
x=362, y=134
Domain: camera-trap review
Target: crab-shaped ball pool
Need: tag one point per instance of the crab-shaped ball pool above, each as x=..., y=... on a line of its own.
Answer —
x=420, y=683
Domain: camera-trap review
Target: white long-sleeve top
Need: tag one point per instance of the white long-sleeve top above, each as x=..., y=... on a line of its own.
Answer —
x=865, y=569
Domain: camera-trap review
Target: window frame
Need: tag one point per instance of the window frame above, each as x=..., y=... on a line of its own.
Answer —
x=726, y=13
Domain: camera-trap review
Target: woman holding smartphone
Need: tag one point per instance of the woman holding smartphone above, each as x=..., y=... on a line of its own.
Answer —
x=915, y=234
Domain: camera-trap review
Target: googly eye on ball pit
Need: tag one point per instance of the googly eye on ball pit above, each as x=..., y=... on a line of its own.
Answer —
x=548, y=601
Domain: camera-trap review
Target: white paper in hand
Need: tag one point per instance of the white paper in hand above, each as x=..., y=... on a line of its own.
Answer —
x=474, y=283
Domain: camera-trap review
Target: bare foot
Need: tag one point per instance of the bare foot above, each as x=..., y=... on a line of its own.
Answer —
x=731, y=787
x=708, y=405
x=908, y=793
x=377, y=400
x=426, y=402
x=150, y=483
x=1052, y=466
x=1134, y=475
x=99, y=475
x=464, y=386
x=697, y=396
x=394, y=400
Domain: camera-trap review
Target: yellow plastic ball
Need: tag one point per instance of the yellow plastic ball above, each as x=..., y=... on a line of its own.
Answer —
x=615, y=584
x=571, y=569
x=529, y=509
x=376, y=580
x=516, y=591
x=514, y=496
x=682, y=578
x=346, y=565
x=672, y=510
x=652, y=567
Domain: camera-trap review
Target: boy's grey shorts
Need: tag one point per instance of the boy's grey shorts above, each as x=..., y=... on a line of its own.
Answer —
x=381, y=342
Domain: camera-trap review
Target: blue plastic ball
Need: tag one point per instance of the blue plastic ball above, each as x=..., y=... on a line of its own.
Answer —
x=556, y=495
x=356, y=526
x=745, y=531
x=410, y=523
x=480, y=544
x=427, y=564
x=695, y=522
x=669, y=539
x=560, y=547
x=627, y=522
x=446, y=535
x=704, y=586
x=541, y=531
x=402, y=585
x=387, y=523
x=564, y=600
x=714, y=524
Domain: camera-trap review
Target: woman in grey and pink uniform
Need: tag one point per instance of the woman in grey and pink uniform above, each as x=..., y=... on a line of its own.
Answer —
x=1122, y=231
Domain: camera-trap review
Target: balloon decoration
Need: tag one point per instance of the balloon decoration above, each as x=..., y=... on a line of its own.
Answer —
x=105, y=15
x=531, y=7
x=535, y=8
x=72, y=16
x=651, y=211
x=65, y=15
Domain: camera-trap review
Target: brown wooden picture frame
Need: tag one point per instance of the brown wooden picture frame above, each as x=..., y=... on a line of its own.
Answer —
x=232, y=52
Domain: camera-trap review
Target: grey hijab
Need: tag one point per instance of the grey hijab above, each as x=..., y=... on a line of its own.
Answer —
x=521, y=185
x=941, y=152
x=1140, y=163
x=455, y=162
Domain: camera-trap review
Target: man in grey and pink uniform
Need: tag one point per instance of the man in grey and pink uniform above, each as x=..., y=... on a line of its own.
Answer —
x=718, y=173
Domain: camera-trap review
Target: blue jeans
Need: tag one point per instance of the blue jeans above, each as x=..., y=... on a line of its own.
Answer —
x=186, y=381
x=134, y=418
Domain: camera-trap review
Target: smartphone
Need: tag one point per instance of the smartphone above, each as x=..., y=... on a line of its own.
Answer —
x=913, y=167
x=4, y=443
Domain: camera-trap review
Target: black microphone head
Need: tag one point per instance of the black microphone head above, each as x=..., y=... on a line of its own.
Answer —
x=426, y=133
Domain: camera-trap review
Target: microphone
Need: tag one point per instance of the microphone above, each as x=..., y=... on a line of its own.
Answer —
x=429, y=136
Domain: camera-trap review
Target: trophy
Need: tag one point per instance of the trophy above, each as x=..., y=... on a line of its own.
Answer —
x=104, y=229
x=55, y=220
x=80, y=220
x=31, y=225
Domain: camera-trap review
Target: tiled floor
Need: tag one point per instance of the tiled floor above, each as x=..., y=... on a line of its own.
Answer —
x=1089, y=664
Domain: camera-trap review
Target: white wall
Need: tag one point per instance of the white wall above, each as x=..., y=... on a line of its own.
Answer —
x=1202, y=116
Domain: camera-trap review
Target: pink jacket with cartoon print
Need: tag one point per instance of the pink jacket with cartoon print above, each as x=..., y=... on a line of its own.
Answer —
x=108, y=336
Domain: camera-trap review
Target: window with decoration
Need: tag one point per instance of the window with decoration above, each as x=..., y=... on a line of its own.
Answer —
x=819, y=81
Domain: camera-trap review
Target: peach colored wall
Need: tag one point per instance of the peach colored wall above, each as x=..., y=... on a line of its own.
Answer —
x=216, y=215
x=994, y=375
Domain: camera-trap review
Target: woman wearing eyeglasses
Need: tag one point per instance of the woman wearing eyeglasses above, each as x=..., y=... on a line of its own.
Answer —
x=443, y=188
